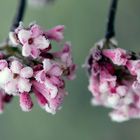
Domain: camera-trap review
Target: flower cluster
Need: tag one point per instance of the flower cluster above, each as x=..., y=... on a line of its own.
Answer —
x=34, y=69
x=115, y=80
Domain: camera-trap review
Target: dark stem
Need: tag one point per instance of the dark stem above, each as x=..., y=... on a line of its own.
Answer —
x=110, y=32
x=19, y=14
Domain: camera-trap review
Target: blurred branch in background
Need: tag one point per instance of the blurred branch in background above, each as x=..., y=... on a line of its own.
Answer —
x=39, y=3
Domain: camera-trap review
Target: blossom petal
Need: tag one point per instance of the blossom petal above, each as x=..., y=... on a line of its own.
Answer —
x=5, y=75
x=11, y=87
x=41, y=42
x=56, y=71
x=16, y=66
x=3, y=64
x=24, y=85
x=56, y=33
x=24, y=36
x=26, y=72
x=36, y=31
x=26, y=103
x=35, y=52
x=51, y=89
x=47, y=64
x=40, y=76
x=26, y=50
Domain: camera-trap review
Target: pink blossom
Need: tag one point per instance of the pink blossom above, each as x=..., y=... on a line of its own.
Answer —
x=133, y=66
x=56, y=33
x=35, y=69
x=120, y=115
x=49, y=86
x=31, y=39
x=66, y=57
x=3, y=64
x=26, y=103
x=22, y=77
x=42, y=101
x=55, y=103
x=115, y=81
x=15, y=78
x=45, y=99
x=118, y=56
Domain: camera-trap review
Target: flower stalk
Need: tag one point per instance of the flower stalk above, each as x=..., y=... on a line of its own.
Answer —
x=110, y=32
x=19, y=14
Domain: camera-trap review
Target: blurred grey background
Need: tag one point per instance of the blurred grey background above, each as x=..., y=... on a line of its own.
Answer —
x=85, y=22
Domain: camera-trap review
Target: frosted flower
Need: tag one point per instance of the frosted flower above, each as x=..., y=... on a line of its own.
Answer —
x=34, y=40
x=115, y=80
x=118, y=56
x=48, y=85
x=56, y=33
x=36, y=70
x=66, y=57
x=25, y=102
x=31, y=39
x=20, y=81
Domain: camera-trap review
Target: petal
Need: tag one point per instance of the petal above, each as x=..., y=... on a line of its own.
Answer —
x=67, y=47
x=57, y=81
x=56, y=33
x=26, y=103
x=11, y=87
x=3, y=64
x=113, y=100
x=42, y=101
x=49, y=110
x=47, y=64
x=24, y=36
x=55, y=103
x=40, y=76
x=24, y=85
x=26, y=72
x=56, y=71
x=41, y=42
x=16, y=66
x=40, y=87
x=35, y=52
x=72, y=74
x=5, y=75
x=53, y=90
x=13, y=38
x=66, y=56
x=26, y=50
x=120, y=115
x=36, y=30
x=122, y=90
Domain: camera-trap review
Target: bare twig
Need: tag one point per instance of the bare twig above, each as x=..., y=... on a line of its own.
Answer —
x=110, y=32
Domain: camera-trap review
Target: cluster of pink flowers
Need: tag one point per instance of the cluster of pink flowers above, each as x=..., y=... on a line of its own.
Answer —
x=37, y=71
x=115, y=80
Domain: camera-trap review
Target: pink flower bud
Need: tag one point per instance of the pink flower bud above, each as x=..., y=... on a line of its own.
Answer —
x=26, y=103
x=56, y=33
